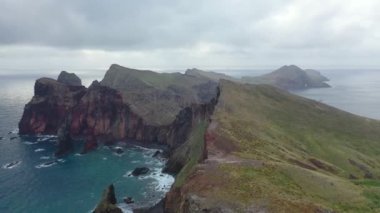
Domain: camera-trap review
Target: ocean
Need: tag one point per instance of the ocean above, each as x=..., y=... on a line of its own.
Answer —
x=354, y=91
x=40, y=183
x=37, y=182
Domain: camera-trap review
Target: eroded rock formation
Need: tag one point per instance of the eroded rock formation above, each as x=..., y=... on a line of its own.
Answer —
x=108, y=202
x=102, y=115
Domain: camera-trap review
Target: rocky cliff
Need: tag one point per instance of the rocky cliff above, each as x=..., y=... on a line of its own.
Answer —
x=104, y=114
x=48, y=109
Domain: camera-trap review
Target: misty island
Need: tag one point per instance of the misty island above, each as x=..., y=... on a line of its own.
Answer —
x=232, y=144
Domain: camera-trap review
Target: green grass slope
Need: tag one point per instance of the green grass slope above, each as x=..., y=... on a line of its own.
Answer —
x=291, y=155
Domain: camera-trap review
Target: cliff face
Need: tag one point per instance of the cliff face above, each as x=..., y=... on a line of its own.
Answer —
x=103, y=115
x=48, y=108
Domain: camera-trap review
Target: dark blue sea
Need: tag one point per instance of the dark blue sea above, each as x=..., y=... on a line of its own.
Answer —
x=38, y=182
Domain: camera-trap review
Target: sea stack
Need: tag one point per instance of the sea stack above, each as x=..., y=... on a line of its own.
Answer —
x=108, y=202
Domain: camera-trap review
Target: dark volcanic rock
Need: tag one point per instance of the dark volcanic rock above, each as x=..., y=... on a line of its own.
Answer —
x=140, y=171
x=69, y=79
x=157, y=154
x=99, y=115
x=107, y=204
x=128, y=200
x=48, y=109
x=65, y=143
x=119, y=151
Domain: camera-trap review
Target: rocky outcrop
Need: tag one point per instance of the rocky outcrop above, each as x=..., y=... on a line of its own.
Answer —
x=140, y=171
x=108, y=202
x=69, y=79
x=102, y=115
x=48, y=109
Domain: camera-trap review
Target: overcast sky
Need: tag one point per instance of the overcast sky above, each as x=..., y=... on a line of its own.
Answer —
x=175, y=34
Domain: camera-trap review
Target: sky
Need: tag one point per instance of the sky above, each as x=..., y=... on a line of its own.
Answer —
x=207, y=34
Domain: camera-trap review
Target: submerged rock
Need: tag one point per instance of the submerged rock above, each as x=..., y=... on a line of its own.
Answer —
x=107, y=204
x=69, y=79
x=140, y=171
x=119, y=151
x=1, y=138
x=157, y=154
x=128, y=200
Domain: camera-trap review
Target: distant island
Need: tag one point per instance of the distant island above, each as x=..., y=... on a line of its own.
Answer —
x=291, y=78
x=287, y=78
x=235, y=145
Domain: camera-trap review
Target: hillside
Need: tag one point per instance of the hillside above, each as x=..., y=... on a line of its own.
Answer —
x=215, y=76
x=270, y=151
x=290, y=78
x=158, y=97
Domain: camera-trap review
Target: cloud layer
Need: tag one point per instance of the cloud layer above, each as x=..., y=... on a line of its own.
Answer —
x=178, y=34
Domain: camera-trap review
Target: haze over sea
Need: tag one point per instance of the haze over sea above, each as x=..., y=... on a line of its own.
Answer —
x=40, y=183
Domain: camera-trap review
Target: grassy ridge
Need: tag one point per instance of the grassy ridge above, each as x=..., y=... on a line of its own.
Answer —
x=309, y=151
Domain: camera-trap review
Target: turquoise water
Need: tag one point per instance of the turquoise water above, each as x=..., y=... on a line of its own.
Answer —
x=41, y=183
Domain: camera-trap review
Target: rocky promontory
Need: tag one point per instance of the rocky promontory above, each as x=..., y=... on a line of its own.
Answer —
x=127, y=104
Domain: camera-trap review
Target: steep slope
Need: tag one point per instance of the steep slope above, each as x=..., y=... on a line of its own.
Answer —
x=270, y=151
x=290, y=78
x=158, y=97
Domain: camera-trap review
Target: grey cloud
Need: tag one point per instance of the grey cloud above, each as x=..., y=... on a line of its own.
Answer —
x=208, y=33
